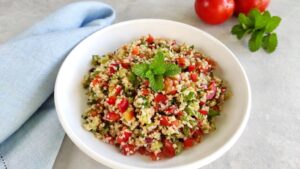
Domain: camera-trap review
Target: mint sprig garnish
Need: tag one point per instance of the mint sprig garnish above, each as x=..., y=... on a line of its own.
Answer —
x=156, y=71
x=261, y=27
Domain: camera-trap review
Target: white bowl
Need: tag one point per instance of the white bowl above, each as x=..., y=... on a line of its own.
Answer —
x=70, y=99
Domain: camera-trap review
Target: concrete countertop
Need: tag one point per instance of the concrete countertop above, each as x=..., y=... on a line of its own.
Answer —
x=272, y=136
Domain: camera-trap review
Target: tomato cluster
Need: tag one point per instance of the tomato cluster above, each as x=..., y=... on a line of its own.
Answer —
x=218, y=11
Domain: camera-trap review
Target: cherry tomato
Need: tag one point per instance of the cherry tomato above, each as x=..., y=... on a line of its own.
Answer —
x=160, y=98
x=189, y=142
x=123, y=105
x=214, y=11
x=244, y=6
x=111, y=100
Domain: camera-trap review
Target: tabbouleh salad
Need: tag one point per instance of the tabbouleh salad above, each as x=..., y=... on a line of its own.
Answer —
x=153, y=96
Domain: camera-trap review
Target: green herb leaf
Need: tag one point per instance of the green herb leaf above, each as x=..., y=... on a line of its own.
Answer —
x=149, y=74
x=269, y=42
x=244, y=21
x=140, y=69
x=158, y=64
x=171, y=69
x=156, y=82
x=213, y=113
x=255, y=41
x=190, y=96
x=238, y=30
x=132, y=79
x=273, y=24
x=156, y=70
x=158, y=60
x=260, y=26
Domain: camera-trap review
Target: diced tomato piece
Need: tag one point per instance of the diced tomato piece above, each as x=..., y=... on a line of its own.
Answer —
x=150, y=39
x=180, y=113
x=112, y=70
x=124, y=136
x=160, y=98
x=175, y=123
x=172, y=92
x=168, y=149
x=148, y=140
x=123, y=105
x=197, y=133
x=118, y=90
x=142, y=150
x=181, y=62
x=204, y=112
x=112, y=116
x=157, y=156
x=194, y=77
x=109, y=139
x=171, y=109
x=210, y=62
x=128, y=115
x=111, y=100
x=189, y=142
x=135, y=51
x=145, y=92
x=164, y=121
x=201, y=103
x=125, y=65
x=141, y=55
x=95, y=81
x=93, y=113
x=191, y=68
x=128, y=149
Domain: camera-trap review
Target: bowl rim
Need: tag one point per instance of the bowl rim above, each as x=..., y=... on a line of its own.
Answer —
x=111, y=163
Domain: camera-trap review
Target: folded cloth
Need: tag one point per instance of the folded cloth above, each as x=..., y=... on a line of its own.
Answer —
x=30, y=134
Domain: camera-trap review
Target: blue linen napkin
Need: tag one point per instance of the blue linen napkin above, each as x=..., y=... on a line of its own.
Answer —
x=30, y=133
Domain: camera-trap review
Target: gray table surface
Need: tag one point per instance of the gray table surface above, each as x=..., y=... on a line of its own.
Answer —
x=272, y=136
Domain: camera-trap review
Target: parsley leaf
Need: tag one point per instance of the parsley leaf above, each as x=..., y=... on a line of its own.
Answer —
x=260, y=26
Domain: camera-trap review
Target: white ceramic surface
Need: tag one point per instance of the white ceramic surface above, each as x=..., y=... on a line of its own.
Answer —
x=70, y=100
